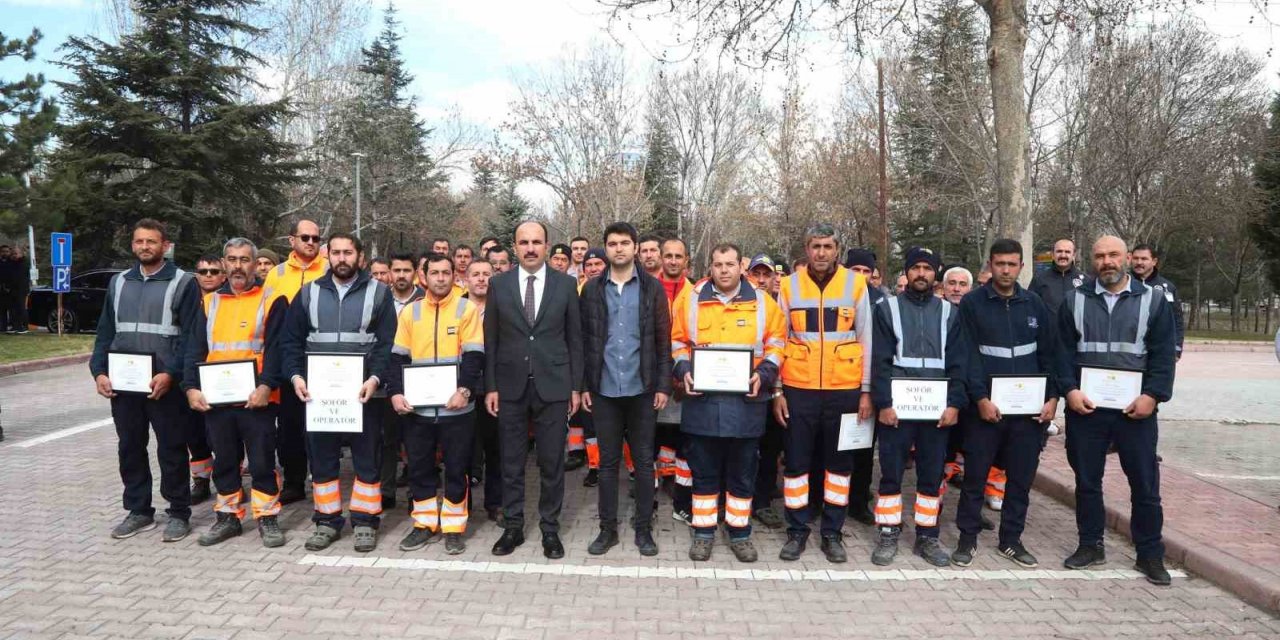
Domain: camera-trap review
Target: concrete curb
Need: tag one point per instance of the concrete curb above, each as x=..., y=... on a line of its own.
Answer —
x=1255, y=586
x=14, y=368
x=1215, y=346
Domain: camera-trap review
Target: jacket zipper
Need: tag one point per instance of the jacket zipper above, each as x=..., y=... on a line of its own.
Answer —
x=435, y=344
x=822, y=334
x=1008, y=315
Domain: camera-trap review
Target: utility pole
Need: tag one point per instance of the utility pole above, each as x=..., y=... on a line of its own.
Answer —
x=357, y=156
x=882, y=205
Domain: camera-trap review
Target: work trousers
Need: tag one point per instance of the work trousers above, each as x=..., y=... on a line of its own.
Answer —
x=896, y=443
x=236, y=431
x=767, y=470
x=393, y=426
x=1088, y=438
x=133, y=416
x=291, y=438
x=453, y=436
x=200, y=454
x=1016, y=440
x=550, y=430
x=324, y=451
x=486, y=428
x=812, y=433
x=722, y=462
x=630, y=418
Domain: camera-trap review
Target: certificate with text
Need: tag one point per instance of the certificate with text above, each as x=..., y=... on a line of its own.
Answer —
x=228, y=383
x=334, y=381
x=722, y=370
x=430, y=385
x=919, y=398
x=1110, y=388
x=1019, y=395
x=131, y=371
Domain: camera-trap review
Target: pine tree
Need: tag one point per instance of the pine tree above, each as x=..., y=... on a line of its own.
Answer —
x=660, y=178
x=27, y=121
x=157, y=129
x=1266, y=172
x=512, y=210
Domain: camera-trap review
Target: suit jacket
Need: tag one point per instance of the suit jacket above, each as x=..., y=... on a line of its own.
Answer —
x=550, y=350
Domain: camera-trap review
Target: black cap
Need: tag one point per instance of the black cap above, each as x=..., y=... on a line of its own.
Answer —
x=595, y=252
x=916, y=255
x=860, y=257
x=560, y=250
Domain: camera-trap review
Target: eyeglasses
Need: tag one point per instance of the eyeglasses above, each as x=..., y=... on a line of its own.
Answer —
x=209, y=272
x=307, y=238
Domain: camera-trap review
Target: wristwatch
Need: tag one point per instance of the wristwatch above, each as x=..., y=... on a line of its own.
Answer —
x=466, y=393
x=776, y=394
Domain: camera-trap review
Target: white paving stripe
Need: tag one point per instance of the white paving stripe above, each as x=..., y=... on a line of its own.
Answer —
x=1221, y=476
x=677, y=573
x=62, y=433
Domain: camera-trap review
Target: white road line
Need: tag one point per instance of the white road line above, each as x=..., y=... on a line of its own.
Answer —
x=1223, y=476
x=677, y=573
x=62, y=433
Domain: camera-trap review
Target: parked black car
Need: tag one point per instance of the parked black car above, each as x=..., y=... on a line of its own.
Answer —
x=81, y=307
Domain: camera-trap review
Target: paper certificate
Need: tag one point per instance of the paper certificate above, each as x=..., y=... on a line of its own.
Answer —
x=334, y=380
x=722, y=370
x=131, y=371
x=855, y=433
x=1019, y=395
x=430, y=385
x=228, y=383
x=919, y=398
x=1110, y=388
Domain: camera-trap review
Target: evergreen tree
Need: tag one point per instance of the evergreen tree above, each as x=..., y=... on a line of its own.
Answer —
x=484, y=180
x=512, y=210
x=1266, y=171
x=660, y=173
x=27, y=121
x=156, y=129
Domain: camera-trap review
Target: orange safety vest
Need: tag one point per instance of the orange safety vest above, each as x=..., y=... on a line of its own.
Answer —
x=236, y=326
x=287, y=278
x=432, y=332
x=824, y=349
x=700, y=319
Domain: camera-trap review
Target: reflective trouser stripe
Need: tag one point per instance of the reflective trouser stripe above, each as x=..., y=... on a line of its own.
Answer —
x=230, y=503
x=835, y=489
x=202, y=468
x=995, y=482
x=737, y=511
x=704, y=511
x=453, y=519
x=626, y=457
x=593, y=454
x=326, y=497
x=264, y=504
x=684, y=476
x=889, y=510
x=666, y=464
x=366, y=497
x=577, y=441
x=426, y=514
x=927, y=508
x=795, y=491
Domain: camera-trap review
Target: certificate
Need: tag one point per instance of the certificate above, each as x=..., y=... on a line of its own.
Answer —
x=228, y=383
x=1111, y=388
x=334, y=381
x=919, y=398
x=722, y=370
x=855, y=433
x=131, y=371
x=1019, y=395
x=430, y=385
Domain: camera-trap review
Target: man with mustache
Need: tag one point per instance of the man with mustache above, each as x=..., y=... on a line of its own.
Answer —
x=1117, y=321
x=210, y=275
x=239, y=326
x=404, y=292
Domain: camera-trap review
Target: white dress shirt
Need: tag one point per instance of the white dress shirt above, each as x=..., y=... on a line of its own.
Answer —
x=539, y=285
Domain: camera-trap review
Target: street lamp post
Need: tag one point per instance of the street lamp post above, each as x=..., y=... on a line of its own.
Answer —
x=357, y=156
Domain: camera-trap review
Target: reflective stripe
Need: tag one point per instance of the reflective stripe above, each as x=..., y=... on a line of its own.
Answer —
x=201, y=468
x=795, y=491
x=813, y=336
x=889, y=510
x=166, y=326
x=326, y=497
x=366, y=497
x=895, y=312
x=926, y=510
x=704, y=511
x=453, y=519
x=1006, y=352
x=230, y=503
x=342, y=336
x=835, y=489
x=693, y=317
x=684, y=476
x=1136, y=348
x=426, y=514
x=737, y=511
x=399, y=350
x=264, y=504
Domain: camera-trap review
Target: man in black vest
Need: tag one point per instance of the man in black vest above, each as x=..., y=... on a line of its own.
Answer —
x=533, y=371
x=1058, y=281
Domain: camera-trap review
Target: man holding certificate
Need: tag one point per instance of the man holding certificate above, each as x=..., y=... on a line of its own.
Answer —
x=150, y=310
x=1119, y=346
x=826, y=376
x=919, y=365
x=1011, y=365
x=436, y=369
x=626, y=334
x=232, y=379
x=337, y=348
x=726, y=338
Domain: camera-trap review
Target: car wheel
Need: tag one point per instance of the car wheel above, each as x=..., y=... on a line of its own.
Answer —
x=69, y=323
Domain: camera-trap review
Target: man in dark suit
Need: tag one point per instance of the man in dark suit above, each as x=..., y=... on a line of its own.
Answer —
x=533, y=373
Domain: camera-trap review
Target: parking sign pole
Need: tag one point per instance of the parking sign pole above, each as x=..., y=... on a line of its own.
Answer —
x=59, y=315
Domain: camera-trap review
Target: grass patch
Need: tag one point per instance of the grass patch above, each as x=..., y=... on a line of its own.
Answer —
x=39, y=344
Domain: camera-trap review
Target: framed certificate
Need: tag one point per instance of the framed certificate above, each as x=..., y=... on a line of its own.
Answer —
x=717, y=370
x=131, y=371
x=228, y=383
x=430, y=385
x=1110, y=388
x=919, y=398
x=855, y=433
x=334, y=381
x=1016, y=395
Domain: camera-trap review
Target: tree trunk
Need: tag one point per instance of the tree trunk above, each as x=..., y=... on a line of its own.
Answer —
x=1195, y=308
x=1006, y=47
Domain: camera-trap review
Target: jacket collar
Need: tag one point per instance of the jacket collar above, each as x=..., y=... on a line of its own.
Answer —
x=165, y=273
x=327, y=282
x=746, y=292
x=916, y=298
x=294, y=261
x=1090, y=287
x=1155, y=275
x=225, y=289
x=449, y=298
x=1019, y=294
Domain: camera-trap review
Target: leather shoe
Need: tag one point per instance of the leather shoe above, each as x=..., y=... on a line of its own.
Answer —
x=551, y=546
x=511, y=538
x=291, y=494
x=645, y=543
x=861, y=512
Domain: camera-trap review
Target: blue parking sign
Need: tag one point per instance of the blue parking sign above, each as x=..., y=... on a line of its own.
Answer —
x=62, y=279
x=60, y=249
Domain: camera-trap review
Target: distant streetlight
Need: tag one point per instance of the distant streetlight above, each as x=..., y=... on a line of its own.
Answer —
x=357, y=156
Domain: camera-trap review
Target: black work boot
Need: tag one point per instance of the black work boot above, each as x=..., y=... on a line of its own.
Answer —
x=607, y=539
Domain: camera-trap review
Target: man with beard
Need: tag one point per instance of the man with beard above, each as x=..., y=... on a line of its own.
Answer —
x=559, y=259
x=671, y=463
x=764, y=275
x=1117, y=322
x=862, y=261
x=441, y=246
x=152, y=308
x=267, y=260
x=404, y=292
x=442, y=328
x=1144, y=263
x=500, y=257
x=303, y=265
x=239, y=326
x=344, y=311
x=486, y=462
x=650, y=254
x=1057, y=282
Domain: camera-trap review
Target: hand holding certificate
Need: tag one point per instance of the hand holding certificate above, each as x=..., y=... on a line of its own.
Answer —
x=1110, y=388
x=228, y=383
x=855, y=433
x=722, y=370
x=1019, y=395
x=334, y=382
x=430, y=385
x=131, y=372
x=919, y=398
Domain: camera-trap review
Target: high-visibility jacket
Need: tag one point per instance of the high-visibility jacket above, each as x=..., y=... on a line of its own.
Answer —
x=828, y=331
x=239, y=326
x=288, y=277
x=447, y=331
x=750, y=320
